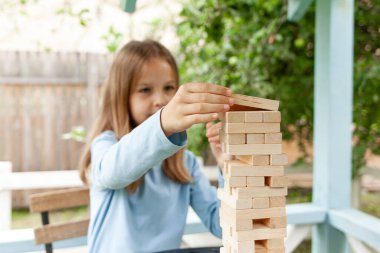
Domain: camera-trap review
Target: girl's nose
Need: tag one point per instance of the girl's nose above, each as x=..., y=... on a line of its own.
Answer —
x=159, y=101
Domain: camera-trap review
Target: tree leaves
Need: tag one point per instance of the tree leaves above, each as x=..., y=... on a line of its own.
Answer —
x=249, y=46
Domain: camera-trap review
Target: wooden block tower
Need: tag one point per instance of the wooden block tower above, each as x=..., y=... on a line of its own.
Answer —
x=252, y=212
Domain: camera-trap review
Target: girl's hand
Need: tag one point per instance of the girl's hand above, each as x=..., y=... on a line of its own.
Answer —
x=212, y=134
x=194, y=103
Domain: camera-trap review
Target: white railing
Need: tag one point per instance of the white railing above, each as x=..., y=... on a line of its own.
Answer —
x=5, y=197
x=28, y=181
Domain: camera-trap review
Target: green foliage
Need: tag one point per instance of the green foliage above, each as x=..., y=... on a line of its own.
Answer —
x=196, y=143
x=249, y=46
x=113, y=39
x=82, y=15
x=77, y=133
x=367, y=82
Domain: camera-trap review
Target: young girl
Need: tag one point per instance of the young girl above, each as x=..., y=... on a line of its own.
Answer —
x=141, y=179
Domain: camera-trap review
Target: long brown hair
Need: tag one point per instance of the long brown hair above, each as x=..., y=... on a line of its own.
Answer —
x=114, y=112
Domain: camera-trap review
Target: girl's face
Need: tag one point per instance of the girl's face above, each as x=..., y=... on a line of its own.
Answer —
x=154, y=88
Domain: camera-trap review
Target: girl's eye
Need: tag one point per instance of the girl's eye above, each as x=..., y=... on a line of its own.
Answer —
x=169, y=88
x=144, y=90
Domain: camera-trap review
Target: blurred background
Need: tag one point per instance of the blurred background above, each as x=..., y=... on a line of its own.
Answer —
x=55, y=55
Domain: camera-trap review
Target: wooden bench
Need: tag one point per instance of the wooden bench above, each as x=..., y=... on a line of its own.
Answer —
x=57, y=200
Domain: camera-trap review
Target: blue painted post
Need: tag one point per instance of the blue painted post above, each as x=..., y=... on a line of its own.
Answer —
x=297, y=8
x=128, y=5
x=333, y=117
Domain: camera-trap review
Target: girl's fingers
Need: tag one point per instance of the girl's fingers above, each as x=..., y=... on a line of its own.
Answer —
x=192, y=98
x=199, y=118
x=204, y=108
x=217, y=125
x=213, y=130
x=207, y=88
x=214, y=139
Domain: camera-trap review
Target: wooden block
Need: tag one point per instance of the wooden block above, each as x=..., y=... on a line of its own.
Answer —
x=254, y=192
x=232, y=139
x=226, y=243
x=229, y=230
x=260, y=245
x=233, y=117
x=276, y=182
x=254, y=116
x=278, y=201
x=238, y=247
x=256, y=160
x=260, y=203
x=277, y=250
x=248, y=103
x=233, y=202
x=227, y=188
x=273, y=243
x=238, y=168
x=239, y=225
x=245, y=247
x=278, y=159
x=237, y=181
x=253, y=149
x=272, y=116
x=233, y=128
x=259, y=232
x=261, y=249
x=225, y=168
x=255, y=138
x=276, y=222
x=273, y=138
x=226, y=231
x=228, y=248
x=233, y=215
x=255, y=181
x=254, y=128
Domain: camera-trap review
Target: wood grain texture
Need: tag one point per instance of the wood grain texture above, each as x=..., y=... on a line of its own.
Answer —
x=52, y=233
x=255, y=102
x=60, y=199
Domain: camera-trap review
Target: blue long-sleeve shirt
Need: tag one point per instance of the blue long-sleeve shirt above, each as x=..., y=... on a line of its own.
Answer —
x=154, y=217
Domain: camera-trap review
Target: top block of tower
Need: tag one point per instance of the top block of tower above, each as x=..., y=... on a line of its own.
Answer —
x=248, y=103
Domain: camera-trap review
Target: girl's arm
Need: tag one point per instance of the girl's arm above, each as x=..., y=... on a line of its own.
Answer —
x=204, y=200
x=116, y=164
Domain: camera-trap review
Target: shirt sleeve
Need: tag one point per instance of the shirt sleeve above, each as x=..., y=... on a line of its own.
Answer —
x=204, y=200
x=117, y=163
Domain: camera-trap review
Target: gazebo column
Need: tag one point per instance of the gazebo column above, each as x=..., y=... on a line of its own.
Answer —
x=333, y=117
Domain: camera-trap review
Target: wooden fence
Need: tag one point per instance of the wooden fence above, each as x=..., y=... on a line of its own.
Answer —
x=42, y=96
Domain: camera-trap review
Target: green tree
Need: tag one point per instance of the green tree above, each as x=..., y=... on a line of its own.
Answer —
x=249, y=45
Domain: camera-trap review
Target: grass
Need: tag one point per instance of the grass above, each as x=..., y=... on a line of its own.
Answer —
x=371, y=203
x=298, y=195
x=304, y=247
x=22, y=218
